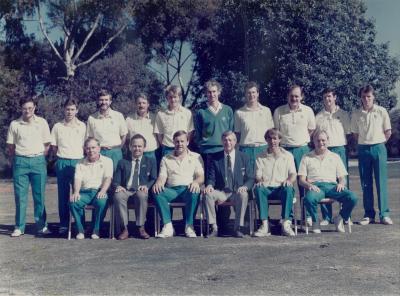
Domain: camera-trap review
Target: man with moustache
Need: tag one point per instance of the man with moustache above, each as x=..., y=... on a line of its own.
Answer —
x=28, y=141
x=109, y=127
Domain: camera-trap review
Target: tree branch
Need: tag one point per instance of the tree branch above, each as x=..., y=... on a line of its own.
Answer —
x=88, y=36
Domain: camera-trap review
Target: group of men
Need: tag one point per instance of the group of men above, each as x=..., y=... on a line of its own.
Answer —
x=273, y=152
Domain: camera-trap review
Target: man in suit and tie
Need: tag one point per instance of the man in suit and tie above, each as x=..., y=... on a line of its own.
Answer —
x=132, y=180
x=229, y=177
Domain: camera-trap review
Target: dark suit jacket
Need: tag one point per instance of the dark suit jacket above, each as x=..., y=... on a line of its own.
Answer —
x=147, y=173
x=243, y=173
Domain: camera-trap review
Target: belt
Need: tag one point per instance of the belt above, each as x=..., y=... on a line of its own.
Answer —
x=31, y=155
x=254, y=145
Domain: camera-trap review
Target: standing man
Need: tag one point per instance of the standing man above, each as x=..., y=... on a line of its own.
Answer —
x=229, y=177
x=275, y=175
x=251, y=123
x=319, y=171
x=175, y=118
x=336, y=123
x=132, y=180
x=296, y=122
x=371, y=127
x=142, y=122
x=92, y=179
x=67, y=138
x=108, y=127
x=28, y=141
x=181, y=175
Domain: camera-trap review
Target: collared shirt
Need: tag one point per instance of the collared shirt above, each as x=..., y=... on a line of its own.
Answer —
x=168, y=122
x=29, y=137
x=215, y=110
x=69, y=139
x=294, y=124
x=107, y=129
x=93, y=174
x=252, y=124
x=336, y=124
x=274, y=170
x=130, y=180
x=370, y=125
x=232, y=155
x=181, y=172
x=145, y=127
x=326, y=169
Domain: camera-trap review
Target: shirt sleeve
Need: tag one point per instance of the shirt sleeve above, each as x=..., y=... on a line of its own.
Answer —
x=311, y=119
x=163, y=168
x=46, y=136
x=269, y=115
x=11, y=135
x=276, y=118
x=108, y=168
x=78, y=172
x=190, y=123
x=54, y=132
x=158, y=127
x=353, y=124
x=346, y=123
x=123, y=129
x=340, y=169
x=199, y=168
x=303, y=166
x=237, y=124
x=386, y=121
x=259, y=168
x=291, y=165
x=89, y=129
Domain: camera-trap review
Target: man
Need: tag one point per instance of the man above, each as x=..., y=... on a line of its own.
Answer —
x=319, y=171
x=275, y=175
x=67, y=138
x=229, y=177
x=336, y=123
x=28, y=141
x=92, y=179
x=181, y=175
x=132, y=180
x=371, y=127
x=175, y=118
x=296, y=122
x=142, y=122
x=251, y=123
x=108, y=127
x=211, y=122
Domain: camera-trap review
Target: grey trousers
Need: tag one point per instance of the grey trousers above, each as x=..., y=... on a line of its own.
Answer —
x=121, y=205
x=240, y=204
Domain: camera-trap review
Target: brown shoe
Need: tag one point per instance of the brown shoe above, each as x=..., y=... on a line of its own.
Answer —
x=143, y=234
x=124, y=234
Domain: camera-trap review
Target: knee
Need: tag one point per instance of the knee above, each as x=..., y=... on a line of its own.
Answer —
x=142, y=196
x=100, y=202
x=310, y=199
x=118, y=196
x=352, y=197
x=288, y=190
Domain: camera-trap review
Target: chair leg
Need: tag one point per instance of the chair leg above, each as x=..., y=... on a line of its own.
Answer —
x=112, y=220
x=304, y=216
x=251, y=217
x=69, y=226
x=295, y=218
x=201, y=216
x=349, y=225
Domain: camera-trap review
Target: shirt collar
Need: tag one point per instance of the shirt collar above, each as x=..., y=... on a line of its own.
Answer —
x=136, y=116
x=232, y=154
x=247, y=108
x=34, y=120
x=180, y=109
x=75, y=122
x=109, y=115
x=372, y=109
x=140, y=159
x=298, y=109
x=219, y=107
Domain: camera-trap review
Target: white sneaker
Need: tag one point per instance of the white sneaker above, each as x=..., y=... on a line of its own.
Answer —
x=365, y=221
x=189, y=232
x=386, y=221
x=287, y=228
x=309, y=221
x=315, y=228
x=80, y=235
x=16, y=233
x=339, y=224
x=324, y=223
x=167, y=231
x=262, y=231
x=44, y=231
x=348, y=222
x=95, y=236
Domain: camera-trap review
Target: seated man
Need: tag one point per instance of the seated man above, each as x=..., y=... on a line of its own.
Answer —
x=92, y=179
x=132, y=180
x=180, y=177
x=275, y=175
x=318, y=173
x=229, y=177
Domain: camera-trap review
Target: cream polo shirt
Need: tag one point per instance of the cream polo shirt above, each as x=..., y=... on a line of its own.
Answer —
x=145, y=127
x=273, y=171
x=69, y=139
x=181, y=172
x=336, y=124
x=370, y=125
x=107, y=129
x=294, y=125
x=168, y=122
x=29, y=137
x=328, y=169
x=92, y=174
x=252, y=125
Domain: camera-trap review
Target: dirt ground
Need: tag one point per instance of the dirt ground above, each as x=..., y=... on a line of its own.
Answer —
x=365, y=262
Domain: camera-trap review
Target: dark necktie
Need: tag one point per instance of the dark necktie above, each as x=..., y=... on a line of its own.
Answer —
x=229, y=174
x=135, y=181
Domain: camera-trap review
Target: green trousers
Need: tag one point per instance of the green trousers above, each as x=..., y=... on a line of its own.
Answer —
x=372, y=159
x=29, y=170
x=283, y=193
x=177, y=194
x=347, y=198
x=252, y=153
x=65, y=170
x=88, y=197
x=115, y=154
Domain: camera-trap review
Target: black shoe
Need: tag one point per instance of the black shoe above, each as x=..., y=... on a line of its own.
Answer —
x=238, y=233
x=213, y=233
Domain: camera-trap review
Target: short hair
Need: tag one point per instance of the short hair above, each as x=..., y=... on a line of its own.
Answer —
x=173, y=89
x=272, y=132
x=29, y=99
x=329, y=90
x=178, y=134
x=137, y=137
x=296, y=86
x=212, y=82
x=103, y=93
x=251, y=84
x=366, y=89
x=319, y=132
x=71, y=102
x=141, y=96
x=227, y=133
x=90, y=139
